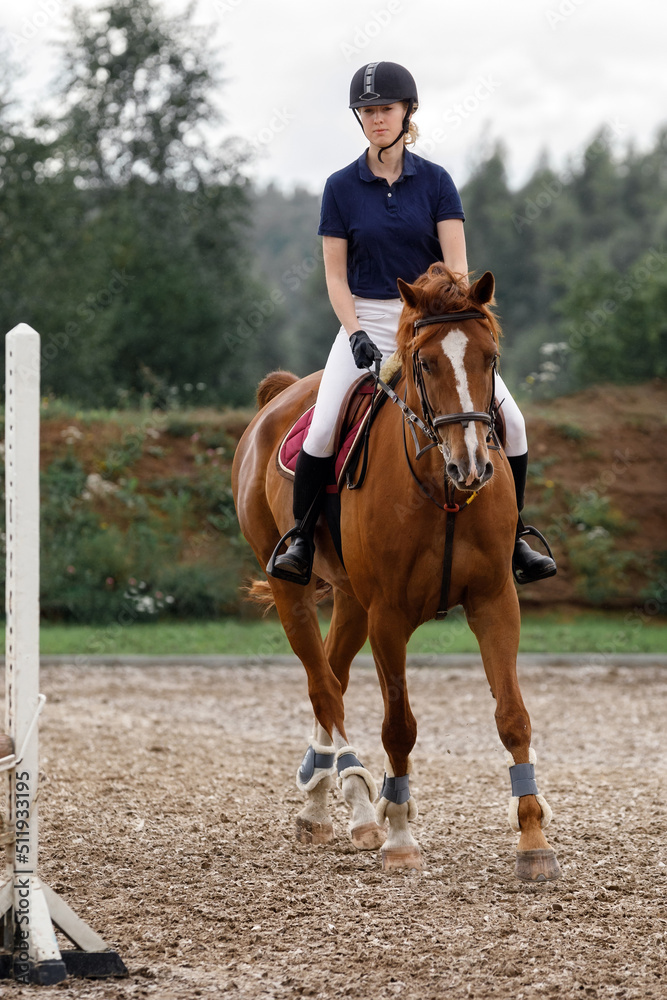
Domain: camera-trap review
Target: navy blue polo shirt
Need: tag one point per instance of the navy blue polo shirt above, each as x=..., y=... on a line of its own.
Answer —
x=391, y=231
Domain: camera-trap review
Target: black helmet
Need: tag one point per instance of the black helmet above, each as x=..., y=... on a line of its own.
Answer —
x=382, y=83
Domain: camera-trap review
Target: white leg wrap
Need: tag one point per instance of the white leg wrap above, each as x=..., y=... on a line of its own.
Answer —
x=318, y=773
x=513, y=811
x=356, y=769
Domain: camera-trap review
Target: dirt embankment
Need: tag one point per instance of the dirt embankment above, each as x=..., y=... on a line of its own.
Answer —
x=599, y=464
x=597, y=480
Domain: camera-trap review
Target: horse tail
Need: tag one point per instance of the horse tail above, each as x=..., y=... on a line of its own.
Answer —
x=272, y=384
x=259, y=592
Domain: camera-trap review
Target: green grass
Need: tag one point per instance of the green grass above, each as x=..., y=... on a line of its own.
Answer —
x=543, y=632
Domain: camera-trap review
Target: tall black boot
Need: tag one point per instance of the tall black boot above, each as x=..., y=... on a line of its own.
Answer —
x=296, y=564
x=527, y=566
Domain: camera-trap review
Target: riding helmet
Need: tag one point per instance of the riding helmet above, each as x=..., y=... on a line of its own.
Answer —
x=382, y=83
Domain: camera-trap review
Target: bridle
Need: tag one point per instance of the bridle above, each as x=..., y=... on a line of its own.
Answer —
x=433, y=420
x=429, y=427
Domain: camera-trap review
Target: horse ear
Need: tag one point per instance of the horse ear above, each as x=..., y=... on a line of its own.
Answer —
x=409, y=294
x=483, y=289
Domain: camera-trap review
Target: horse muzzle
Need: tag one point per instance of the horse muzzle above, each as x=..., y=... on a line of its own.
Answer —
x=469, y=476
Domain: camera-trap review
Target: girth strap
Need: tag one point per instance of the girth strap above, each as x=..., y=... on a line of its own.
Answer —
x=450, y=524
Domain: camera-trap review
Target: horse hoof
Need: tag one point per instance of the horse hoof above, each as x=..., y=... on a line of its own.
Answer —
x=368, y=836
x=540, y=865
x=401, y=857
x=308, y=832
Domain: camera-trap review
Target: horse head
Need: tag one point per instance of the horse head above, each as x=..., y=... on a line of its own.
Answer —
x=448, y=339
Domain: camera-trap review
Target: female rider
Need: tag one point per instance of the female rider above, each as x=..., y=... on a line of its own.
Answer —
x=389, y=214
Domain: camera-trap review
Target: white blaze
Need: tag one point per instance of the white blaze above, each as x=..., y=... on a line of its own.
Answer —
x=454, y=346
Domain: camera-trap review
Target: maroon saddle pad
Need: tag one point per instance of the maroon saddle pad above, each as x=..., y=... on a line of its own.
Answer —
x=355, y=411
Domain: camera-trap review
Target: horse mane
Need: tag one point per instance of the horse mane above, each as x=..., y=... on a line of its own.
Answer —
x=273, y=384
x=439, y=291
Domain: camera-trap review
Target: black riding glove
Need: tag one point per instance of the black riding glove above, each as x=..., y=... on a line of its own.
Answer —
x=363, y=349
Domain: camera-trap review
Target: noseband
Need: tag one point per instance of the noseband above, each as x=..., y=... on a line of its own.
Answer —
x=434, y=420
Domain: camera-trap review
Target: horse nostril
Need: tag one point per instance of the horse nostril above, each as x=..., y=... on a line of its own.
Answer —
x=488, y=472
x=453, y=471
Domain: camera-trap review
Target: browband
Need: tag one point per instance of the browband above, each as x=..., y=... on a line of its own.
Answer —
x=449, y=318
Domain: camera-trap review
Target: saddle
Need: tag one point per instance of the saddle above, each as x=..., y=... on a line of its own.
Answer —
x=355, y=412
x=354, y=415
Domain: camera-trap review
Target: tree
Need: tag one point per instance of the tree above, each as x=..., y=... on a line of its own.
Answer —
x=137, y=90
x=615, y=324
x=125, y=226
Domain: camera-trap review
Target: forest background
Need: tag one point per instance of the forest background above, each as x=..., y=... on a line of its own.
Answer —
x=160, y=280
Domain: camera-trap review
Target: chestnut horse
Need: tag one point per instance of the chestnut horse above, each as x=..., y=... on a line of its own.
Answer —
x=393, y=533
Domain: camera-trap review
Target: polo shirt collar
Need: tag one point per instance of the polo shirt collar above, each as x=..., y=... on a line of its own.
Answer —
x=366, y=174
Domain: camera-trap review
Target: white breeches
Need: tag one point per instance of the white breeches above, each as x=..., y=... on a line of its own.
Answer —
x=380, y=318
x=516, y=442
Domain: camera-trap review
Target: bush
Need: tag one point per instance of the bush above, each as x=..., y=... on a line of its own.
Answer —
x=600, y=568
x=200, y=590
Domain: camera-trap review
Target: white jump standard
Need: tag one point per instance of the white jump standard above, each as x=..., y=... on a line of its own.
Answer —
x=29, y=951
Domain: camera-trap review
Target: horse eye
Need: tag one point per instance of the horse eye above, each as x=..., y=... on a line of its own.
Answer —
x=425, y=366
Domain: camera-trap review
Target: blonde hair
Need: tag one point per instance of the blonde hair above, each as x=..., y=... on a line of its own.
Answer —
x=411, y=136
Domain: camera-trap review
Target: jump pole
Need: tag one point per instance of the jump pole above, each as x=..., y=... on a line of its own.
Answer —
x=29, y=909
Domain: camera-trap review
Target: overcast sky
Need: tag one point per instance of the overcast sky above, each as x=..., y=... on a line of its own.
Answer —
x=537, y=74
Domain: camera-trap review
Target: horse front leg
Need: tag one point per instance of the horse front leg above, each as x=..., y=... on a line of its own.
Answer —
x=347, y=633
x=315, y=778
x=389, y=634
x=496, y=624
x=324, y=759
x=329, y=753
x=298, y=614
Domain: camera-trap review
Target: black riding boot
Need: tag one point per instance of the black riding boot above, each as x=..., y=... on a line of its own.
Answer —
x=296, y=564
x=527, y=566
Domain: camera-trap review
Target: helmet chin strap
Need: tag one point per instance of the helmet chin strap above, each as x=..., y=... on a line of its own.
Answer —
x=404, y=129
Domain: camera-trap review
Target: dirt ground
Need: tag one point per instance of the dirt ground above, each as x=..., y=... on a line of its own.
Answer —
x=168, y=805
